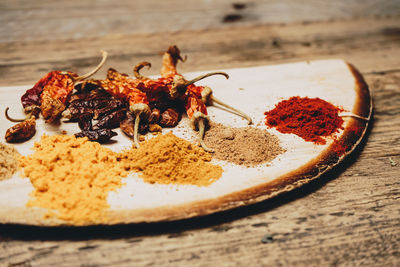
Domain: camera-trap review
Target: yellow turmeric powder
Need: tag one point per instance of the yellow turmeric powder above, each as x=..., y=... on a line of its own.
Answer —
x=167, y=159
x=72, y=177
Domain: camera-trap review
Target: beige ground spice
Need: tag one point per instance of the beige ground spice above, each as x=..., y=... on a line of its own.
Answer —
x=72, y=177
x=167, y=159
x=246, y=146
x=8, y=161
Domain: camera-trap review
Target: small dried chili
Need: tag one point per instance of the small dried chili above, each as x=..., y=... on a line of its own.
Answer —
x=21, y=131
x=52, y=92
x=127, y=125
x=111, y=120
x=101, y=135
x=85, y=121
x=169, y=118
x=179, y=93
x=112, y=105
x=98, y=107
x=92, y=103
x=310, y=118
x=154, y=116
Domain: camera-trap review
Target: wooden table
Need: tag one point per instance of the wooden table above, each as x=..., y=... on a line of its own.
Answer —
x=349, y=217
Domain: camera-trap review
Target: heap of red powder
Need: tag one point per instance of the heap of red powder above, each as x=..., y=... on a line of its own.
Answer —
x=310, y=118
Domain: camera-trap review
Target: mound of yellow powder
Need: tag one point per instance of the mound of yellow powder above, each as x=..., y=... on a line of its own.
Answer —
x=167, y=159
x=72, y=177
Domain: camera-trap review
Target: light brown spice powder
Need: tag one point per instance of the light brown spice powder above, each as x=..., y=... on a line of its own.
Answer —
x=8, y=161
x=167, y=159
x=246, y=146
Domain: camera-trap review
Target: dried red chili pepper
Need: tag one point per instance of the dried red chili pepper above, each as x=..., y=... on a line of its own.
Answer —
x=22, y=131
x=127, y=126
x=52, y=92
x=122, y=87
x=312, y=119
x=194, y=97
x=169, y=118
x=172, y=86
x=154, y=116
x=170, y=60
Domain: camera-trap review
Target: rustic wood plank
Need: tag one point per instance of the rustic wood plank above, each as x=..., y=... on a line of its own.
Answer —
x=234, y=47
x=24, y=20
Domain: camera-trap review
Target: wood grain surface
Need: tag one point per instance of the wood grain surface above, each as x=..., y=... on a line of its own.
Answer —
x=349, y=217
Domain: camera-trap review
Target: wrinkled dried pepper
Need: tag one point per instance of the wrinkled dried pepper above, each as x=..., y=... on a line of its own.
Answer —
x=49, y=96
x=171, y=83
x=53, y=91
x=22, y=131
x=100, y=135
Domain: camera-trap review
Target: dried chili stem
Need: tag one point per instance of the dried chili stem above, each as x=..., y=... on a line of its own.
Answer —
x=14, y=120
x=349, y=114
x=28, y=116
x=138, y=67
x=202, y=127
x=33, y=111
x=87, y=75
x=139, y=109
x=201, y=77
x=238, y=112
x=180, y=85
x=136, y=131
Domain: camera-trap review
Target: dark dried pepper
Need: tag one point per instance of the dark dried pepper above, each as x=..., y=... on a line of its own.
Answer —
x=92, y=103
x=101, y=135
x=74, y=113
x=22, y=131
x=88, y=95
x=111, y=120
x=169, y=118
x=154, y=116
x=85, y=121
x=112, y=105
x=98, y=107
x=127, y=125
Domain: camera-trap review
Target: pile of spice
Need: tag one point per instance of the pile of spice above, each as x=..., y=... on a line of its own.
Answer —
x=313, y=119
x=8, y=161
x=72, y=177
x=246, y=146
x=167, y=159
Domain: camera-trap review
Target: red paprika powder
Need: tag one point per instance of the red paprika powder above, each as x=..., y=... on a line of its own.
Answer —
x=310, y=118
